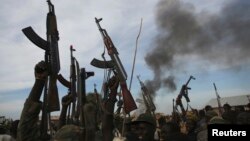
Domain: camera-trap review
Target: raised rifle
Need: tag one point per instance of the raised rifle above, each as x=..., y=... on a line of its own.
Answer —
x=218, y=100
x=78, y=92
x=150, y=106
x=183, y=92
x=67, y=84
x=174, y=112
x=98, y=105
x=51, y=100
x=115, y=63
x=73, y=83
x=82, y=97
x=51, y=55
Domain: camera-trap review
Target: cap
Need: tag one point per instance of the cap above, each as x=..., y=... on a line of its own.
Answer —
x=211, y=114
x=146, y=118
x=226, y=105
x=69, y=133
x=217, y=120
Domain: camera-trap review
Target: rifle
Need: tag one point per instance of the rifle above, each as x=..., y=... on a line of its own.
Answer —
x=79, y=95
x=51, y=55
x=73, y=82
x=51, y=99
x=218, y=100
x=98, y=105
x=129, y=103
x=183, y=92
x=150, y=106
x=147, y=98
x=174, y=112
x=82, y=97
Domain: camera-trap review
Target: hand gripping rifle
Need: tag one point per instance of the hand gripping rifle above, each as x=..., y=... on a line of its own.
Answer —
x=51, y=100
x=129, y=103
x=218, y=100
x=183, y=92
x=51, y=55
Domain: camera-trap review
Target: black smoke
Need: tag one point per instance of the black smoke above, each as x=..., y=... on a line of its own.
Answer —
x=220, y=39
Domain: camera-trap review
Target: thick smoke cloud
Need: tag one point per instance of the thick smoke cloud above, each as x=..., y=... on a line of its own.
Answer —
x=220, y=39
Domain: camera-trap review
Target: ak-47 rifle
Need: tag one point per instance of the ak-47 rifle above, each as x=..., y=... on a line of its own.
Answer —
x=51, y=55
x=98, y=105
x=183, y=92
x=174, y=112
x=73, y=82
x=218, y=100
x=150, y=106
x=129, y=103
x=67, y=84
x=78, y=92
x=73, y=85
x=51, y=100
x=82, y=97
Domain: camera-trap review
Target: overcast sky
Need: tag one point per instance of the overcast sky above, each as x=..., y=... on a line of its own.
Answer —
x=206, y=39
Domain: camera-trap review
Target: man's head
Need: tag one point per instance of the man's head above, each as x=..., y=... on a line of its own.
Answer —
x=170, y=129
x=208, y=108
x=248, y=106
x=243, y=118
x=145, y=126
x=227, y=107
x=145, y=118
x=217, y=120
x=68, y=133
x=210, y=115
x=191, y=120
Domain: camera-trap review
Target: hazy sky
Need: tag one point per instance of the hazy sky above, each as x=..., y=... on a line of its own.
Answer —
x=206, y=39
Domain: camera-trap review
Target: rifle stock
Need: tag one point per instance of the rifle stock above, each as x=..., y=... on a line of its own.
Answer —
x=53, y=98
x=128, y=100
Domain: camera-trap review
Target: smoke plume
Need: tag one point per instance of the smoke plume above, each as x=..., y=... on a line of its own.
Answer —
x=220, y=39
